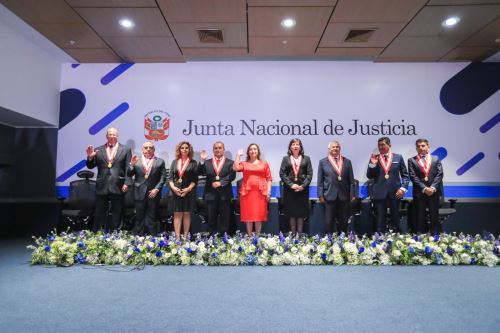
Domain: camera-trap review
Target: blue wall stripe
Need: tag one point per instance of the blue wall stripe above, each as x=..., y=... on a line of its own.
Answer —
x=107, y=119
x=440, y=152
x=75, y=65
x=114, y=73
x=470, y=163
x=451, y=191
x=71, y=171
x=490, y=124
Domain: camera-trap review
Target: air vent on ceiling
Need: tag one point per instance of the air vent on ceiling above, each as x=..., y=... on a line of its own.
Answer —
x=210, y=36
x=359, y=35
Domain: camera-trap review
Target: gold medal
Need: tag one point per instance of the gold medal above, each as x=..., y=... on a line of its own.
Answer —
x=339, y=178
x=217, y=177
x=180, y=180
x=386, y=176
x=110, y=165
x=426, y=178
x=296, y=179
x=146, y=176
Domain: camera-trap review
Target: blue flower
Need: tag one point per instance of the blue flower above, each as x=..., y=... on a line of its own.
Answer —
x=81, y=245
x=473, y=261
x=80, y=258
x=255, y=241
x=282, y=239
x=287, y=247
x=450, y=251
x=51, y=238
x=311, y=251
x=224, y=239
x=250, y=260
x=158, y=253
x=439, y=259
x=153, y=240
x=189, y=250
x=323, y=256
x=240, y=249
x=259, y=250
x=415, y=238
x=411, y=250
x=436, y=237
x=496, y=250
x=467, y=247
x=161, y=243
x=361, y=249
x=137, y=250
x=428, y=250
x=331, y=251
x=214, y=254
x=47, y=248
x=374, y=244
x=132, y=242
x=296, y=242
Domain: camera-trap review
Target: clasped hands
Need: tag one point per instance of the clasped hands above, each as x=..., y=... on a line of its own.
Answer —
x=297, y=188
x=181, y=192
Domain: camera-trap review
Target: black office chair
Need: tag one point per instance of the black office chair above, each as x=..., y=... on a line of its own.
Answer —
x=128, y=210
x=77, y=211
x=445, y=211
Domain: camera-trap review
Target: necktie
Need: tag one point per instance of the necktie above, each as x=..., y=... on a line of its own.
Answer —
x=385, y=158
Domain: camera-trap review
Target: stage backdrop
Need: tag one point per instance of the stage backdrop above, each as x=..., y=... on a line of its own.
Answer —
x=455, y=106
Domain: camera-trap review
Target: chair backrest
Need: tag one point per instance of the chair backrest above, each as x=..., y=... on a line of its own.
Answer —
x=354, y=190
x=129, y=198
x=238, y=186
x=369, y=185
x=81, y=194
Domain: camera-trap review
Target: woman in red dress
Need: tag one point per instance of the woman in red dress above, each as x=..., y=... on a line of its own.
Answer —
x=255, y=189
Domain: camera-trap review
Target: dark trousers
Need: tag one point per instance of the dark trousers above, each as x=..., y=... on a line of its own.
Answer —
x=432, y=203
x=145, y=216
x=336, y=210
x=381, y=208
x=102, y=209
x=218, y=208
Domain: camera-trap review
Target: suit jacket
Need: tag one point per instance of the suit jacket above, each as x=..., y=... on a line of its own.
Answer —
x=110, y=180
x=305, y=172
x=329, y=186
x=190, y=175
x=227, y=175
x=417, y=176
x=156, y=178
x=398, y=177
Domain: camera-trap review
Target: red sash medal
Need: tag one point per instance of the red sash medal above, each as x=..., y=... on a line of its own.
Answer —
x=147, y=164
x=181, y=168
x=386, y=165
x=111, y=154
x=218, y=166
x=426, y=168
x=295, y=162
x=337, y=166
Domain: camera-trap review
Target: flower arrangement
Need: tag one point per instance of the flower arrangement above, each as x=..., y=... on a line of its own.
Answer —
x=122, y=248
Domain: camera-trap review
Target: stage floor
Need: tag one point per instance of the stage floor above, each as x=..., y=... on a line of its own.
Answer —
x=235, y=299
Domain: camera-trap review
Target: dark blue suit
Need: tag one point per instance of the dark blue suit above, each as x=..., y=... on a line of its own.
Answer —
x=337, y=193
x=384, y=190
x=420, y=199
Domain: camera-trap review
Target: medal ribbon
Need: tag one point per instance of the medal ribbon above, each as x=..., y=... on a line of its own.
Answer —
x=426, y=168
x=296, y=165
x=218, y=165
x=111, y=153
x=385, y=166
x=336, y=167
x=147, y=164
x=181, y=167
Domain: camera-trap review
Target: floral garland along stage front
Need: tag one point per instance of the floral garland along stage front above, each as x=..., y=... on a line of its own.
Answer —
x=122, y=248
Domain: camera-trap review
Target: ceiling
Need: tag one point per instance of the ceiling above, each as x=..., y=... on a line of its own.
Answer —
x=167, y=30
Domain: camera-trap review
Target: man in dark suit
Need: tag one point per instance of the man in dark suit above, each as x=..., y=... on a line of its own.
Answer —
x=149, y=177
x=111, y=160
x=388, y=171
x=218, y=188
x=335, y=187
x=426, y=174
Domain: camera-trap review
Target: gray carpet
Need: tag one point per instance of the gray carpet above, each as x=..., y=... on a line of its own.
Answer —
x=234, y=299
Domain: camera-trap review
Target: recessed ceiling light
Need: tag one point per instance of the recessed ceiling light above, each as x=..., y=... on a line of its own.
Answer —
x=72, y=42
x=497, y=40
x=126, y=23
x=288, y=22
x=284, y=41
x=451, y=21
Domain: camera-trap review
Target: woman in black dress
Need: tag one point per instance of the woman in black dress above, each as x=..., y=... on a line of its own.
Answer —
x=182, y=179
x=296, y=174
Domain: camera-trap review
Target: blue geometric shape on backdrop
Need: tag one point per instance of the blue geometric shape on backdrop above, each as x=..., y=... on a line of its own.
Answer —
x=470, y=163
x=114, y=73
x=71, y=171
x=74, y=65
x=440, y=152
x=490, y=124
x=470, y=87
x=72, y=103
x=107, y=119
